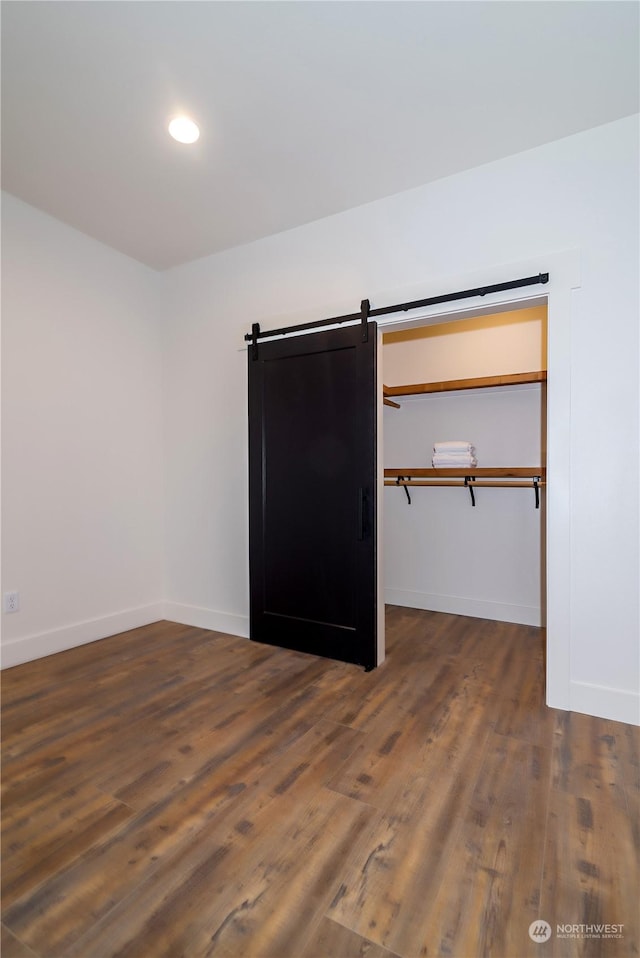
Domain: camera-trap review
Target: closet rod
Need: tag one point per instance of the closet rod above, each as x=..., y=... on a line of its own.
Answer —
x=469, y=483
x=256, y=333
x=423, y=482
x=458, y=482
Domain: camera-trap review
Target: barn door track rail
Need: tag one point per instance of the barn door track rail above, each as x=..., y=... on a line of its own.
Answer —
x=366, y=313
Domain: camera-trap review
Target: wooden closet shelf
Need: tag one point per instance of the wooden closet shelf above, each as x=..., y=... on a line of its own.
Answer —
x=451, y=385
x=496, y=472
x=498, y=477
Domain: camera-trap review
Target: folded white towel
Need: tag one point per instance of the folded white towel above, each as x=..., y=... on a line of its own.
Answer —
x=455, y=446
x=456, y=455
x=441, y=459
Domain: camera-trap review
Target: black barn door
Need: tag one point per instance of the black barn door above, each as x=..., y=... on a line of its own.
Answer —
x=312, y=493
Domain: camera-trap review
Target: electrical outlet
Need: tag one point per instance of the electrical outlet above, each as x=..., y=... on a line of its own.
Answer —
x=11, y=602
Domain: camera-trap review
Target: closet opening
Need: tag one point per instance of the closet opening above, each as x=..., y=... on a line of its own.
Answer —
x=471, y=541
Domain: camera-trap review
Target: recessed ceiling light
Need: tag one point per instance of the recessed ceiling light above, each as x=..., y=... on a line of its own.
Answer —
x=184, y=130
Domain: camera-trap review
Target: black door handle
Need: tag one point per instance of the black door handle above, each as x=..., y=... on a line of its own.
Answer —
x=362, y=512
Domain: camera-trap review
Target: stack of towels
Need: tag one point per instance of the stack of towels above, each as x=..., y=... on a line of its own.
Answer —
x=456, y=453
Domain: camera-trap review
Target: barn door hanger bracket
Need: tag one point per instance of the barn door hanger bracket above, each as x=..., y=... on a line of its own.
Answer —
x=365, y=307
x=255, y=332
x=537, y=491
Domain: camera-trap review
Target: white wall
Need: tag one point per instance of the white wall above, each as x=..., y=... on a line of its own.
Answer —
x=440, y=553
x=577, y=193
x=82, y=480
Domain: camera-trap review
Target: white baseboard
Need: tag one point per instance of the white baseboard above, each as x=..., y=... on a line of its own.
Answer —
x=619, y=705
x=79, y=633
x=459, y=605
x=207, y=619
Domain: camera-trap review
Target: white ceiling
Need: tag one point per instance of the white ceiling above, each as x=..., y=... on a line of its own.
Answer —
x=306, y=108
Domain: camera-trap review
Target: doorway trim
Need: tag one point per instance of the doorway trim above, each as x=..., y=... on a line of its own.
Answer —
x=564, y=278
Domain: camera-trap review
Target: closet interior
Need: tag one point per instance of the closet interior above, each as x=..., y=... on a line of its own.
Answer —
x=478, y=383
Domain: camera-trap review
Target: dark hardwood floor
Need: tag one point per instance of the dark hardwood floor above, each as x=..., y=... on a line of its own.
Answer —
x=177, y=792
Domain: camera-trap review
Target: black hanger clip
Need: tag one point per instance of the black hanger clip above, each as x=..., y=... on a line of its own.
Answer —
x=536, y=489
x=467, y=481
x=401, y=478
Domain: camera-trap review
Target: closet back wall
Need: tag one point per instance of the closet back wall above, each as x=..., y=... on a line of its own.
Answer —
x=439, y=552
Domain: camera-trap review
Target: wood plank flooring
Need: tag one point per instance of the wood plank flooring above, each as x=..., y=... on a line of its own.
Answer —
x=177, y=792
